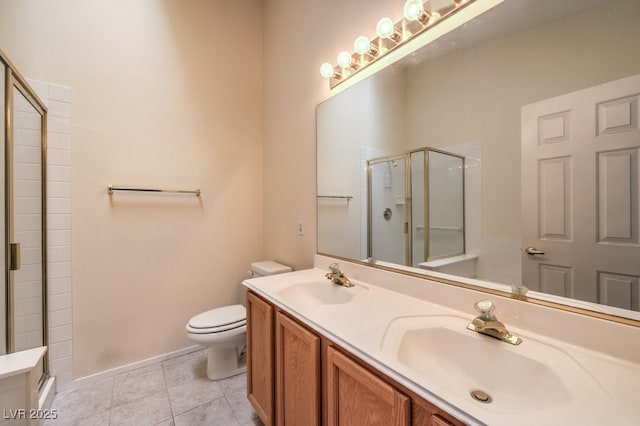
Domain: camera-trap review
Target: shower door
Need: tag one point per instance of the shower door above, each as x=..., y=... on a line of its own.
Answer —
x=22, y=207
x=445, y=205
x=25, y=220
x=389, y=210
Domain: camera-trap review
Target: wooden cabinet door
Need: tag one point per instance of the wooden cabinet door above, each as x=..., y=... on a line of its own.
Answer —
x=425, y=413
x=297, y=374
x=260, y=384
x=357, y=397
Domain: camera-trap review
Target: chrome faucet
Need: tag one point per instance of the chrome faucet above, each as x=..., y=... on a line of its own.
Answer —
x=337, y=277
x=487, y=323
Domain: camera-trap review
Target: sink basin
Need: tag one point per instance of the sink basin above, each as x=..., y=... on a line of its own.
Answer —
x=309, y=293
x=531, y=376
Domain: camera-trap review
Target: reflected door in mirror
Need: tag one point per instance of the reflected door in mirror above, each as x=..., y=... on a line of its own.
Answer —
x=580, y=175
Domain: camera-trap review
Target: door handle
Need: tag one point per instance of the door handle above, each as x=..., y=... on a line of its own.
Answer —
x=14, y=256
x=533, y=251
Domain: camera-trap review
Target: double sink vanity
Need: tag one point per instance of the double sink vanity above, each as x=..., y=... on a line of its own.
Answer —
x=394, y=349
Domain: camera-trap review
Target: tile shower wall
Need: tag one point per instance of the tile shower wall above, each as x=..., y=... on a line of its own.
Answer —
x=58, y=101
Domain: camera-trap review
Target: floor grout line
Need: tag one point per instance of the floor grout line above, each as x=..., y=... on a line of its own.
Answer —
x=166, y=386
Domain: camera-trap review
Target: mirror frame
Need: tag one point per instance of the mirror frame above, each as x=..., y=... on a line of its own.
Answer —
x=461, y=17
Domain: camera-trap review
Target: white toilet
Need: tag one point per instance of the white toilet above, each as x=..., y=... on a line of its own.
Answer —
x=224, y=330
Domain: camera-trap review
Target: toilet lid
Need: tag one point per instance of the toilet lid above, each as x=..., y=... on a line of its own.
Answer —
x=220, y=318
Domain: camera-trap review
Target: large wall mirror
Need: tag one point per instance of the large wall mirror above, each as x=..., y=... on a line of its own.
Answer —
x=503, y=154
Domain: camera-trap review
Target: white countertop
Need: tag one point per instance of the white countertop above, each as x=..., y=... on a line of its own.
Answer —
x=20, y=362
x=360, y=326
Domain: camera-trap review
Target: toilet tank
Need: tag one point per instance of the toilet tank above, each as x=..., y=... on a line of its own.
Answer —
x=268, y=267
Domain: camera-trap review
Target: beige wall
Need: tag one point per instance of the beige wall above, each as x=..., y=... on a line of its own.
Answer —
x=161, y=97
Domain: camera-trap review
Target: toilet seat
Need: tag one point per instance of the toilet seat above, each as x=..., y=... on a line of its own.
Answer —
x=218, y=320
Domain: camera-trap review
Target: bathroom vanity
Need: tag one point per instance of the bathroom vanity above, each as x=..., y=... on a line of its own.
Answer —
x=298, y=376
x=395, y=351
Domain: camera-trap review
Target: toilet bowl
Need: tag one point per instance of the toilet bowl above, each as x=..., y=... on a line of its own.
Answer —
x=224, y=330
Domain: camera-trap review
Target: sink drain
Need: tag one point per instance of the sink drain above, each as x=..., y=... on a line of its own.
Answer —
x=481, y=396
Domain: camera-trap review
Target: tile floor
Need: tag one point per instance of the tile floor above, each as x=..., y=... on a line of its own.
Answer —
x=173, y=392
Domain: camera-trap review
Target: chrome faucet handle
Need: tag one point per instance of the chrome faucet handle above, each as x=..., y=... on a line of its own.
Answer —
x=487, y=323
x=337, y=277
x=485, y=308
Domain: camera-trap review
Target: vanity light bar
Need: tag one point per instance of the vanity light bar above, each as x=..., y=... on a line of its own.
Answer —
x=417, y=19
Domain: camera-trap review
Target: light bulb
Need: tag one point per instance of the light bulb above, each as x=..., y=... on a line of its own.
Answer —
x=326, y=70
x=344, y=59
x=385, y=28
x=413, y=10
x=362, y=45
x=434, y=17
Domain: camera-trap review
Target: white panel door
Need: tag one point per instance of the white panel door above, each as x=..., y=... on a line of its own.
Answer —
x=580, y=183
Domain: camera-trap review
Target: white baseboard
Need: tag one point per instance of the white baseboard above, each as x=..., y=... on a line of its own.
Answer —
x=98, y=377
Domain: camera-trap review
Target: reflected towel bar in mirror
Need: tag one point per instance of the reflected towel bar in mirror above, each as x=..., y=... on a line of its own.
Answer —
x=112, y=188
x=335, y=197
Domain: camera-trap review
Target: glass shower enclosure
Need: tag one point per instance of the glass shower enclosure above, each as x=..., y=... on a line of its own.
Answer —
x=23, y=266
x=416, y=206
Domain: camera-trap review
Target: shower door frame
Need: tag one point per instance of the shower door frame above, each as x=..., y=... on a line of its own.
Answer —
x=13, y=79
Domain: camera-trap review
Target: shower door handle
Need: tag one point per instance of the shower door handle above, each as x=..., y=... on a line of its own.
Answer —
x=14, y=256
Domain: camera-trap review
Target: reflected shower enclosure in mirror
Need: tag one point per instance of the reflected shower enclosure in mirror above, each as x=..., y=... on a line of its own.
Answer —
x=415, y=207
x=540, y=99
